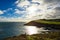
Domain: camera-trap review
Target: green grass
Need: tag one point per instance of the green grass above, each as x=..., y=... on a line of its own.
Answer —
x=47, y=22
x=49, y=36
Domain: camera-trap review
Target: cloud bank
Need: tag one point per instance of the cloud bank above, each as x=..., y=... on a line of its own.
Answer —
x=36, y=9
x=45, y=9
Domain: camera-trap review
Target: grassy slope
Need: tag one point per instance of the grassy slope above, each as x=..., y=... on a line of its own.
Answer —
x=48, y=22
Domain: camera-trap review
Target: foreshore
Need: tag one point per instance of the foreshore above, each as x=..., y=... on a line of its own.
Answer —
x=43, y=36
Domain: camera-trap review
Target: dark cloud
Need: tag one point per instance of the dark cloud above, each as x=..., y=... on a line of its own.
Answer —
x=57, y=8
x=51, y=1
x=57, y=12
x=47, y=0
x=29, y=0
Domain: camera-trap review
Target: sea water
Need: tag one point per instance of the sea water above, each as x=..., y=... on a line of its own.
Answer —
x=9, y=29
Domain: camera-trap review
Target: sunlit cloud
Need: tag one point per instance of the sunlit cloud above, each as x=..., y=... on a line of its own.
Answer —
x=44, y=11
x=33, y=10
x=12, y=19
x=1, y=12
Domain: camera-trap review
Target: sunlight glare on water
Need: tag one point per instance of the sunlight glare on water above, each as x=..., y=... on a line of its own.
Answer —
x=31, y=30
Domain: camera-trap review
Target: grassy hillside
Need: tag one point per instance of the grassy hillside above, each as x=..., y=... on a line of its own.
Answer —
x=54, y=24
x=55, y=21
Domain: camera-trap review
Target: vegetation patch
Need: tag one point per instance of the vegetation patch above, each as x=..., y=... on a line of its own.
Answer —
x=49, y=36
x=48, y=21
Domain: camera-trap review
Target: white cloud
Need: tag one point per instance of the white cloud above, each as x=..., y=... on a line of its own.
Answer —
x=51, y=1
x=17, y=1
x=48, y=9
x=23, y=3
x=17, y=11
x=19, y=19
x=1, y=12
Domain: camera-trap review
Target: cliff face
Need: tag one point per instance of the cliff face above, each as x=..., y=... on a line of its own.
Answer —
x=32, y=23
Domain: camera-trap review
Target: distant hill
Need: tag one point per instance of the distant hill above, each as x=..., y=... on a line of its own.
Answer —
x=53, y=23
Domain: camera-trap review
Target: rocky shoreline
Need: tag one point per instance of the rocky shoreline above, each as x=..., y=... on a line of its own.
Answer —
x=49, y=36
x=54, y=26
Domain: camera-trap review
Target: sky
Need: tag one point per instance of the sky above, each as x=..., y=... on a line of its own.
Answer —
x=27, y=10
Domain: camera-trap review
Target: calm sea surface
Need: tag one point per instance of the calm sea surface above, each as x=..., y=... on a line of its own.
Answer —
x=8, y=29
x=11, y=29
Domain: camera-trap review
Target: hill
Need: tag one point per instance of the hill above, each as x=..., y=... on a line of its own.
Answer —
x=53, y=23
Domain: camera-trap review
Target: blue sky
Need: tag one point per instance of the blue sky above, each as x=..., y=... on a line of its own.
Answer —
x=8, y=7
x=5, y=4
x=21, y=10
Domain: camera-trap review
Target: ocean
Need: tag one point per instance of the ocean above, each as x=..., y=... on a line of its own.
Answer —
x=8, y=29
